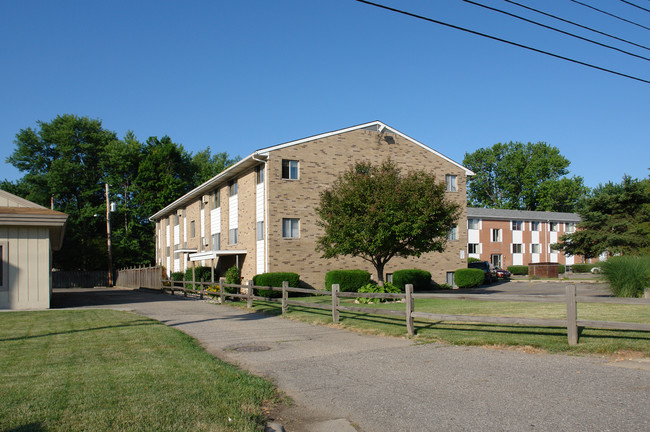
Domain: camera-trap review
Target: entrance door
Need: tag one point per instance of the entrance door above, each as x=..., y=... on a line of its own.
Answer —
x=496, y=260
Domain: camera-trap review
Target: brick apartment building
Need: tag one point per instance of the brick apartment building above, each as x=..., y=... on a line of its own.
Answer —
x=516, y=237
x=259, y=214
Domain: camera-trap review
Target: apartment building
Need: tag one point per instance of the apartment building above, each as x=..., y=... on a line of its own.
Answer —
x=516, y=237
x=259, y=214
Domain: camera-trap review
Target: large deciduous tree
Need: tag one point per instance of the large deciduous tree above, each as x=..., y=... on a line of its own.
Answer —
x=376, y=213
x=615, y=218
x=522, y=177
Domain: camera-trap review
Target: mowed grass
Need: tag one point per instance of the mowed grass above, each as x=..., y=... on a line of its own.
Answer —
x=551, y=339
x=99, y=370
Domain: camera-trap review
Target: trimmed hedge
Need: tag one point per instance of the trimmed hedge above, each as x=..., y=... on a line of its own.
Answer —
x=275, y=280
x=177, y=276
x=583, y=268
x=561, y=268
x=469, y=277
x=518, y=270
x=421, y=279
x=470, y=260
x=348, y=280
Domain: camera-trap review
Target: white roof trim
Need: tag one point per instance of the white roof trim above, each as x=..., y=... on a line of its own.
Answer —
x=215, y=254
x=20, y=202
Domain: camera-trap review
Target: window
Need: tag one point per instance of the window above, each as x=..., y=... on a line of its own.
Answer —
x=259, y=230
x=569, y=227
x=4, y=284
x=233, y=236
x=554, y=226
x=496, y=235
x=534, y=248
x=289, y=169
x=176, y=220
x=534, y=226
x=216, y=241
x=167, y=251
x=233, y=188
x=451, y=181
x=215, y=200
x=450, y=279
x=472, y=224
x=516, y=248
x=259, y=174
x=290, y=228
x=389, y=277
x=192, y=229
x=516, y=225
x=473, y=248
x=453, y=234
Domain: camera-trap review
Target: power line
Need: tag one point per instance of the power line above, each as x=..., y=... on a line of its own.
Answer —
x=577, y=25
x=556, y=29
x=610, y=14
x=635, y=5
x=502, y=40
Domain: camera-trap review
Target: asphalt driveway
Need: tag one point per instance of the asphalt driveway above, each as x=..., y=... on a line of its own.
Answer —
x=392, y=384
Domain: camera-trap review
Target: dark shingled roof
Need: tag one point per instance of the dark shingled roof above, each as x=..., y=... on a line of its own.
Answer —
x=501, y=214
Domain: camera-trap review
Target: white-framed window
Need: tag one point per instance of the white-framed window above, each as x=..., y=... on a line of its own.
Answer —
x=553, y=226
x=4, y=267
x=215, y=200
x=453, y=233
x=289, y=169
x=450, y=279
x=516, y=225
x=259, y=230
x=259, y=174
x=233, y=188
x=534, y=226
x=516, y=248
x=290, y=228
x=233, y=236
x=216, y=241
x=473, y=224
x=535, y=248
x=495, y=235
x=452, y=183
x=569, y=227
x=473, y=248
x=192, y=229
x=176, y=220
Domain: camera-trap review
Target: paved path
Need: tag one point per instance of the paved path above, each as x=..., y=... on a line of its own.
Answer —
x=390, y=384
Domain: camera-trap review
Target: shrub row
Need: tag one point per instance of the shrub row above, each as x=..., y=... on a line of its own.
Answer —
x=520, y=270
x=275, y=280
x=348, y=280
x=469, y=277
x=583, y=268
x=421, y=279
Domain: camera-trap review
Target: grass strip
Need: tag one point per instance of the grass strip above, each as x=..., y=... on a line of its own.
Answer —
x=112, y=370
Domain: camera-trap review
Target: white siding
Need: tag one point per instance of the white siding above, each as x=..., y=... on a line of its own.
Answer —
x=535, y=257
x=534, y=237
x=215, y=221
x=517, y=237
x=570, y=260
x=177, y=236
x=233, y=212
x=552, y=238
x=202, y=212
x=473, y=236
x=259, y=217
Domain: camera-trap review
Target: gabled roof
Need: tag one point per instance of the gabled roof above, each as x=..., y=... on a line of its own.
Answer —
x=262, y=154
x=21, y=212
x=502, y=214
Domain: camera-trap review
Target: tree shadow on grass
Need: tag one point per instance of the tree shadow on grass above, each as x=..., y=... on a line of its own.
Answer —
x=30, y=427
x=136, y=323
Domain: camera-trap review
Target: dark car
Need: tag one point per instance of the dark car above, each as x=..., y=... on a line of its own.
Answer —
x=490, y=273
x=501, y=273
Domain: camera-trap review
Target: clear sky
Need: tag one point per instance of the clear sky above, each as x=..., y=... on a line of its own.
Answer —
x=242, y=75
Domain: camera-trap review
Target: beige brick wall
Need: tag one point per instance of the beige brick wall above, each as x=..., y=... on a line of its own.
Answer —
x=320, y=162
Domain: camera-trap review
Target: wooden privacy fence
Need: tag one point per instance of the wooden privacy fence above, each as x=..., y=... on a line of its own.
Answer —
x=572, y=323
x=140, y=277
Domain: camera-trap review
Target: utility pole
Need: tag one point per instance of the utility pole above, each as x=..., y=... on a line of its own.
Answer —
x=108, y=238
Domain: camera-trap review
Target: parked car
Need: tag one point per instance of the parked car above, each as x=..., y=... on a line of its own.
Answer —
x=596, y=270
x=490, y=272
x=501, y=273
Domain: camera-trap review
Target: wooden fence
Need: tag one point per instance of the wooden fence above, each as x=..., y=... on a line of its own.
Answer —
x=572, y=323
x=79, y=279
x=140, y=277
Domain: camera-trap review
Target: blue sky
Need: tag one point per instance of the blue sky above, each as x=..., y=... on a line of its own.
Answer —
x=242, y=75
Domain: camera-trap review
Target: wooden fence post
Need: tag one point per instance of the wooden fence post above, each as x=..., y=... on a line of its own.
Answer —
x=335, y=303
x=222, y=297
x=249, y=294
x=285, y=296
x=409, y=310
x=571, y=314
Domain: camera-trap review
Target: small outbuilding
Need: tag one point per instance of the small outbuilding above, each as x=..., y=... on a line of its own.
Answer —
x=29, y=233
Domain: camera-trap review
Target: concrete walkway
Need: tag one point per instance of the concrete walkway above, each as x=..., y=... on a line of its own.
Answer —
x=339, y=378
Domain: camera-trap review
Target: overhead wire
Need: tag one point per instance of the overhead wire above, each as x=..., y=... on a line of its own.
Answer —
x=635, y=5
x=556, y=29
x=474, y=32
x=610, y=14
x=577, y=24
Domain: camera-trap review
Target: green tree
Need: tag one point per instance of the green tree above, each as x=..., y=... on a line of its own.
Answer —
x=376, y=213
x=207, y=166
x=521, y=177
x=615, y=218
x=62, y=162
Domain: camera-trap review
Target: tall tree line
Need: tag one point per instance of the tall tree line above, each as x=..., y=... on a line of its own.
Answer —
x=68, y=161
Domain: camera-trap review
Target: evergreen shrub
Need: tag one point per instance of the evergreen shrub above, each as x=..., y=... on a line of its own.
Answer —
x=421, y=279
x=583, y=268
x=520, y=270
x=275, y=280
x=469, y=277
x=348, y=280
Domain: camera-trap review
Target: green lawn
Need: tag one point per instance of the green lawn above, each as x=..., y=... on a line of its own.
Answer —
x=552, y=339
x=99, y=370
